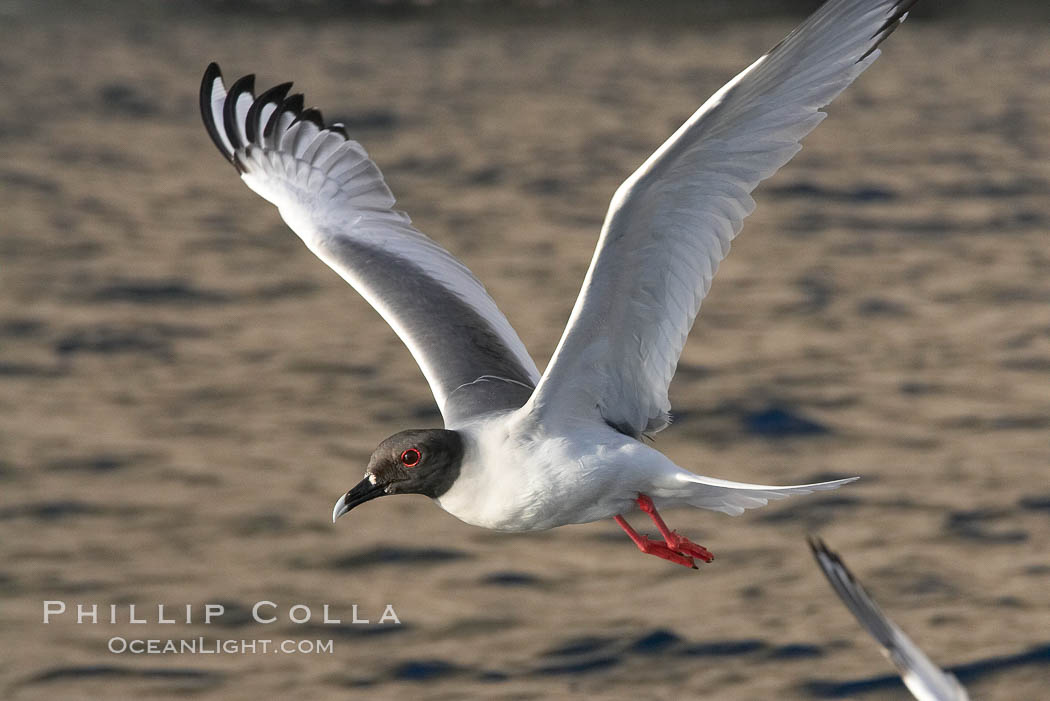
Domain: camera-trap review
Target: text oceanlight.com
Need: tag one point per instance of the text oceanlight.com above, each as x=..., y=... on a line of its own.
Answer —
x=206, y=646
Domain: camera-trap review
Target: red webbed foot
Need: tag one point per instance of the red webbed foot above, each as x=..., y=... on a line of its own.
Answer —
x=680, y=553
x=675, y=548
x=661, y=550
x=687, y=547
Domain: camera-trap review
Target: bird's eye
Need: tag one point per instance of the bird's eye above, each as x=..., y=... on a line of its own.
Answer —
x=411, y=457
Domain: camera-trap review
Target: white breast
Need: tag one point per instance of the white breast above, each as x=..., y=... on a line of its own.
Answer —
x=519, y=477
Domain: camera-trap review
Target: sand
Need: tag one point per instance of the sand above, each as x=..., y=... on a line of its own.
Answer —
x=185, y=390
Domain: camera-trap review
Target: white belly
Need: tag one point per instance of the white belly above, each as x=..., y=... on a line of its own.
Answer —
x=524, y=481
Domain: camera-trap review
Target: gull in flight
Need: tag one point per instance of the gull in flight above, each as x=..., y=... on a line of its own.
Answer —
x=925, y=680
x=521, y=451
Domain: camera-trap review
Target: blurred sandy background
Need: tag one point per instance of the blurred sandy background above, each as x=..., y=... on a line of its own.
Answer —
x=185, y=390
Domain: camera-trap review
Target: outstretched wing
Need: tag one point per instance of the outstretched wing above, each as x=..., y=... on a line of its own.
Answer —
x=671, y=222
x=925, y=680
x=333, y=196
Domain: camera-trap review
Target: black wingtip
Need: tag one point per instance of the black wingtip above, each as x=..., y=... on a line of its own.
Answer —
x=889, y=26
x=227, y=133
x=292, y=103
x=242, y=85
x=211, y=74
x=820, y=550
x=311, y=114
x=275, y=96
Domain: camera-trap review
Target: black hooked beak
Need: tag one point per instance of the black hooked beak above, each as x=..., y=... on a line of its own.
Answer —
x=364, y=491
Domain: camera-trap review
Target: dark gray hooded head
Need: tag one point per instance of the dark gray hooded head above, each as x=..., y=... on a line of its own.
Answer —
x=418, y=461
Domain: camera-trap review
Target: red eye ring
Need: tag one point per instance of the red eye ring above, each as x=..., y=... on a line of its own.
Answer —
x=411, y=457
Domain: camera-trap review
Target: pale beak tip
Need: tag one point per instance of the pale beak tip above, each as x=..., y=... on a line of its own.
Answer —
x=340, y=508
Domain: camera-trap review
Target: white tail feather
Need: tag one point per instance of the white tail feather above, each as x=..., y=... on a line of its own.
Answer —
x=734, y=498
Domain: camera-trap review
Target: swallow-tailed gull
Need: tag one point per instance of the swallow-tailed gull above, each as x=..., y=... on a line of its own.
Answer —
x=522, y=451
x=925, y=680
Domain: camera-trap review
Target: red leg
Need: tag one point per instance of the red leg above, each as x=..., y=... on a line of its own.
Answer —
x=654, y=547
x=674, y=541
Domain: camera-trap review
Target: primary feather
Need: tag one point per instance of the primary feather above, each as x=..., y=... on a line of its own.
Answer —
x=924, y=679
